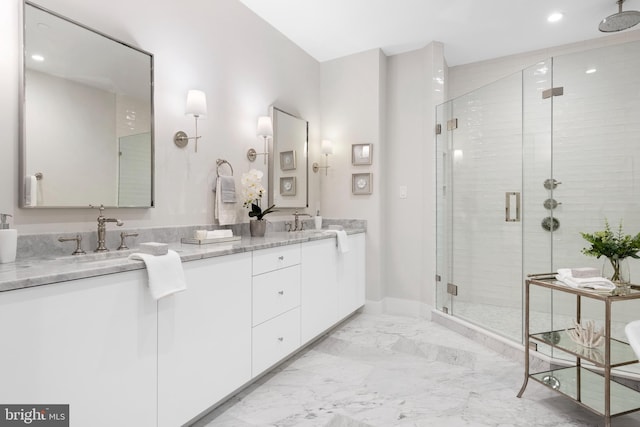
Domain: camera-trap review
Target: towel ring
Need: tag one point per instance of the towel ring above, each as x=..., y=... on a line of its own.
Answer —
x=221, y=162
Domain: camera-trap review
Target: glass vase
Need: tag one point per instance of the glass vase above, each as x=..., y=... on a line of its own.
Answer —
x=616, y=270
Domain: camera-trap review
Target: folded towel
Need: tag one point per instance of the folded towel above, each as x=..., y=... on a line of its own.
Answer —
x=341, y=240
x=165, y=273
x=31, y=191
x=596, y=283
x=224, y=212
x=228, y=189
x=216, y=234
x=585, y=272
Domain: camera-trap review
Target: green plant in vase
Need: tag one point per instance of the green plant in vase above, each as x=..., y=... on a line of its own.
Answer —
x=616, y=246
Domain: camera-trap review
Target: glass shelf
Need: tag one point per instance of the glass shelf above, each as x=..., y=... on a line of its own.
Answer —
x=621, y=352
x=587, y=388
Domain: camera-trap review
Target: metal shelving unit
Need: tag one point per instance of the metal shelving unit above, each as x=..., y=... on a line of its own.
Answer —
x=589, y=384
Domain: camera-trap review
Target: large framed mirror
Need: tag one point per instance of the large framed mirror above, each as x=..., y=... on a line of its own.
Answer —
x=288, y=165
x=86, y=134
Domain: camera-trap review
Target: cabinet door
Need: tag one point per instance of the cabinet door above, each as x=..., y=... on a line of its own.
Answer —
x=90, y=343
x=319, y=288
x=351, y=277
x=204, y=338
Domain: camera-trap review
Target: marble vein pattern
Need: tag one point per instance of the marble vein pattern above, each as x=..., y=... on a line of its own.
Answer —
x=382, y=371
x=43, y=268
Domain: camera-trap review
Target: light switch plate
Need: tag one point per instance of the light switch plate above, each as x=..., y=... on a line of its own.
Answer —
x=403, y=191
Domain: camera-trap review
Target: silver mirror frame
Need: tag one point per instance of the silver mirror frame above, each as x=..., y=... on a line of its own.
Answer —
x=274, y=156
x=21, y=110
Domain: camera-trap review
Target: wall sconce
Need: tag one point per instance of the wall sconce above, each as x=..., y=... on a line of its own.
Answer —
x=265, y=130
x=326, y=148
x=196, y=107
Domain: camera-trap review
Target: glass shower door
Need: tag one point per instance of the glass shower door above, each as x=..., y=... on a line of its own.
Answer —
x=480, y=161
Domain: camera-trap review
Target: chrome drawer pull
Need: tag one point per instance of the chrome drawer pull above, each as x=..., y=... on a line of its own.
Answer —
x=280, y=339
x=281, y=257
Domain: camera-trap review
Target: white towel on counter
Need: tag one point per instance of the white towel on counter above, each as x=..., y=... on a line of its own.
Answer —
x=217, y=234
x=341, y=240
x=224, y=212
x=31, y=191
x=596, y=283
x=165, y=272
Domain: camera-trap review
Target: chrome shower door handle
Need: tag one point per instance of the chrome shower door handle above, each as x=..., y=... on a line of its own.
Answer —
x=511, y=203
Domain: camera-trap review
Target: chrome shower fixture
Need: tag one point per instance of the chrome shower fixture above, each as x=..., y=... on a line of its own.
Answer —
x=619, y=21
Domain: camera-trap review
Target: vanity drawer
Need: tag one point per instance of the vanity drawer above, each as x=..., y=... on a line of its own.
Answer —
x=274, y=340
x=266, y=260
x=275, y=292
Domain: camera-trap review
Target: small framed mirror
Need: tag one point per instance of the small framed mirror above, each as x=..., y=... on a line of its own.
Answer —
x=288, y=165
x=86, y=134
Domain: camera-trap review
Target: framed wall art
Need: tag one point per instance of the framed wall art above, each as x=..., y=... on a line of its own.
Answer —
x=288, y=186
x=288, y=160
x=361, y=183
x=361, y=154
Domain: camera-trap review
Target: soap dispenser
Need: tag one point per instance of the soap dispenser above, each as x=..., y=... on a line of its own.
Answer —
x=318, y=220
x=8, y=241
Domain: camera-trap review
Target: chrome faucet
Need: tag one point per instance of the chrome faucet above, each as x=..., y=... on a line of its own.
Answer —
x=102, y=229
x=297, y=222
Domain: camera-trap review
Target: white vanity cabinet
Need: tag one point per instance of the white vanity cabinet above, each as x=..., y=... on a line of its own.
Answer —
x=351, y=276
x=319, y=294
x=276, y=305
x=90, y=343
x=204, y=338
x=104, y=346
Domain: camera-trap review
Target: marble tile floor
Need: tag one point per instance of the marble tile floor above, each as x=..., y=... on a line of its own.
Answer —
x=383, y=371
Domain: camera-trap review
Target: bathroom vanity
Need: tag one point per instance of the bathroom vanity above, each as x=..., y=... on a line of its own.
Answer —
x=103, y=345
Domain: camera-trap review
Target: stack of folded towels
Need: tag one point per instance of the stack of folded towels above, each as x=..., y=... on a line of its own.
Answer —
x=584, y=278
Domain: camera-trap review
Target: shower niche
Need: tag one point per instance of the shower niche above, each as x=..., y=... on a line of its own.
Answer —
x=572, y=156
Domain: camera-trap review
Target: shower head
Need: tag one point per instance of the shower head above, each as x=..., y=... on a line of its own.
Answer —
x=619, y=21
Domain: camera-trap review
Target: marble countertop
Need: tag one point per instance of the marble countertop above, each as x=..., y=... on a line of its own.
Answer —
x=27, y=273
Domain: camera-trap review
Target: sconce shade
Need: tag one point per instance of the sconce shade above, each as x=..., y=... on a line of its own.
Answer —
x=196, y=103
x=265, y=127
x=326, y=147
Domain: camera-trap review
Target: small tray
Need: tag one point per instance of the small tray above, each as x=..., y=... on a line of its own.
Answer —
x=193, y=241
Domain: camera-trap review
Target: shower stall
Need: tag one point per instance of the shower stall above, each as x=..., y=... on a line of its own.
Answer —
x=523, y=166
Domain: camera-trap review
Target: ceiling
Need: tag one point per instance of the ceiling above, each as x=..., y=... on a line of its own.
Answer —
x=471, y=30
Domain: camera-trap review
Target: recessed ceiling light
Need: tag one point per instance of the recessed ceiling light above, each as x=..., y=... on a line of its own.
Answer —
x=591, y=71
x=37, y=57
x=555, y=17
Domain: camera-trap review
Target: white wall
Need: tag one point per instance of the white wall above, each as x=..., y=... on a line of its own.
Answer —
x=352, y=109
x=414, y=87
x=219, y=46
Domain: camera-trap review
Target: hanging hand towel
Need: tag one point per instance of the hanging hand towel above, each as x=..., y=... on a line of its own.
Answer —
x=31, y=191
x=341, y=238
x=228, y=189
x=225, y=213
x=165, y=273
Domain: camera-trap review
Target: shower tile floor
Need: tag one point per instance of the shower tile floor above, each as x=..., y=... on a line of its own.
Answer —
x=382, y=371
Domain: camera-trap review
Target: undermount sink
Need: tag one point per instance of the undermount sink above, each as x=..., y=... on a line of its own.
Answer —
x=96, y=256
x=310, y=233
